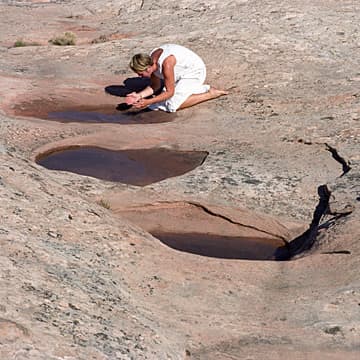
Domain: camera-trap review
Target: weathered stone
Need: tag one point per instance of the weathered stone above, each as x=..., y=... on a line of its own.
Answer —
x=82, y=278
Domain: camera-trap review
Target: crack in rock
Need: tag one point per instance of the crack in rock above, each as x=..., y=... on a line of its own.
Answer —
x=212, y=213
x=345, y=164
x=305, y=241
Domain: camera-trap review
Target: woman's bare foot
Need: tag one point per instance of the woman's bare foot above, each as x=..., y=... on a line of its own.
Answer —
x=217, y=92
x=194, y=99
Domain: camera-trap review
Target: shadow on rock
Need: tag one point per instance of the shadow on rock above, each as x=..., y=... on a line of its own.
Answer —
x=305, y=241
x=130, y=85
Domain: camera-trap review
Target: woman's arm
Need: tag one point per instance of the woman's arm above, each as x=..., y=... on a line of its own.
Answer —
x=134, y=97
x=169, y=82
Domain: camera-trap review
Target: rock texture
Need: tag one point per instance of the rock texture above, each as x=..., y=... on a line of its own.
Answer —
x=81, y=278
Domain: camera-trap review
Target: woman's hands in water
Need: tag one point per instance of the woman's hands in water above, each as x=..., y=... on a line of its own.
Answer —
x=132, y=98
x=142, y=103
x=136, y=100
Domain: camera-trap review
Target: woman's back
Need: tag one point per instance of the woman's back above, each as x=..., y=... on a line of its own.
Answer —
x=187, y=64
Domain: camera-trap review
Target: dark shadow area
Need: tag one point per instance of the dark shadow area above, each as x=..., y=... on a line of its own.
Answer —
x=123, y=107
x=345, y=165
x=223, y=247
x=341, y=252
x=136, y=167
x=130, y=85
x=306, y=240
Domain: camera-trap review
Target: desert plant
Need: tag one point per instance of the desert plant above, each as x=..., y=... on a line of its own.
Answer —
x=67, y=39
x=21, y=43
x=104, y=204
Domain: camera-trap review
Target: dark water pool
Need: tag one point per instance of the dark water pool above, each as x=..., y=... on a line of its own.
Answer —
x=136, y=166
x=225, y=247
x=56, y=110
x=105, y=115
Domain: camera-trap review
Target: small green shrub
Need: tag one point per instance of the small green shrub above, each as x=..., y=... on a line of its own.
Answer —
x=104, y=204
x=67, y=39
x=21, y=43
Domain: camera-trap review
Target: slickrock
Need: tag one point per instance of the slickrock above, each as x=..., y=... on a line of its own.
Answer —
x=81, y=275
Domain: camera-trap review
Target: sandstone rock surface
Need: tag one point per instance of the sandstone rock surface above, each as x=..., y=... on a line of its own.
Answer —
x=81, y=276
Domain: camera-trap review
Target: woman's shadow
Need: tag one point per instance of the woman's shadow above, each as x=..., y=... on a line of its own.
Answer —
x=130, y=85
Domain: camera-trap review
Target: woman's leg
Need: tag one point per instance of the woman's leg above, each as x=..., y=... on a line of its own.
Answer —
x=195, y=99
x=188, y=92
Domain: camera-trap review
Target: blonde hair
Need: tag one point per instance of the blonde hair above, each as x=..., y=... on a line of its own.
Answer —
x=140, y=62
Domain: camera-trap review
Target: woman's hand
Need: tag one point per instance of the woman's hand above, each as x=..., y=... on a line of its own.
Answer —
x=132, y=98
x=136, y=100
x=140, y=104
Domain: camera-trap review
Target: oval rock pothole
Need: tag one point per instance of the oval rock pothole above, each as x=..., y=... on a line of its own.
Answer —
x=225, y=247
x=132, y=166
x=193, y=228
x=63, y=111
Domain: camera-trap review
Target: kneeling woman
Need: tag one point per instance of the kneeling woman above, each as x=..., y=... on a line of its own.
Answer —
x=180, y=70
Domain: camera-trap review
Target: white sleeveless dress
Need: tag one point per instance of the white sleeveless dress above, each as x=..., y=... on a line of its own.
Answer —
x=190, y=74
